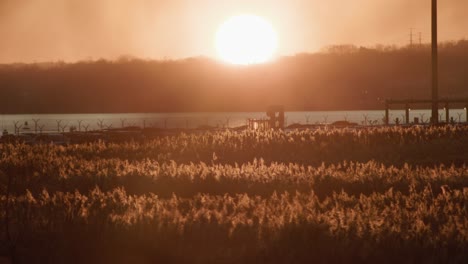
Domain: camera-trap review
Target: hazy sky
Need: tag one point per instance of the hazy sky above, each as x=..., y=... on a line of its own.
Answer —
x=69, y=30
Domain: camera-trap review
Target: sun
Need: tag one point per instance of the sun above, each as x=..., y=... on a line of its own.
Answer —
x=246, y=39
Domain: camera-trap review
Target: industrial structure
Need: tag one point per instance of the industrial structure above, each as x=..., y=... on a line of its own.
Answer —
x=447, y=103
x=435, y=102
x=275, y=119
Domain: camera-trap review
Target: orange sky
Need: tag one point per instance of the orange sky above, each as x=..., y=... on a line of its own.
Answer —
x=69, y=30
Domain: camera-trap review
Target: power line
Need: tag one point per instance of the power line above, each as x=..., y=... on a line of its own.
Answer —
x=411, y=37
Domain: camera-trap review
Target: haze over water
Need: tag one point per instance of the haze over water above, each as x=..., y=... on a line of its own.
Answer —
x=218, y=119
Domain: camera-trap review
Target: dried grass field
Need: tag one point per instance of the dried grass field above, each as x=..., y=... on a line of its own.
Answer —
x=375, y=195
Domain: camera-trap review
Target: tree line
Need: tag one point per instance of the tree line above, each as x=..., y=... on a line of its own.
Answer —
x=340, y=77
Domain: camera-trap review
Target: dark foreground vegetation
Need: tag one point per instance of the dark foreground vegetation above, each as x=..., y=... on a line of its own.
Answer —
x=341, y=77
x=383, y=195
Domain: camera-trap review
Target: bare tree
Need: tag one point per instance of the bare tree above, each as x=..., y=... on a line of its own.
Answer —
x=59, y=124
x=41, y=128
x=100, y=124
x=17, y=127
x=228, y=118
x=366, y=119
x=62, y=128
x=79, y=125
x=459, y=117
x=122, y=122
x=86, y=127
x=36, y=122
x=307, y=118
x=325, y=119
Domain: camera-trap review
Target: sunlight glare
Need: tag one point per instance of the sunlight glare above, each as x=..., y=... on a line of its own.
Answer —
x=246, y=39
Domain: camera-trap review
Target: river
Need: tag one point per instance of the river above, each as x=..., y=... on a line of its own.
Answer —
x=63, y=122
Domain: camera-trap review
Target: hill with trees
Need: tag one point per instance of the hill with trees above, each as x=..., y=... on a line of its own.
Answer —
x=341, y=77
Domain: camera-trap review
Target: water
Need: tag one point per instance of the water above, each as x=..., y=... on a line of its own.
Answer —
x=63, y=122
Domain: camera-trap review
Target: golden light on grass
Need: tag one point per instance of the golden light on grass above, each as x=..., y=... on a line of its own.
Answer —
x=246, y=39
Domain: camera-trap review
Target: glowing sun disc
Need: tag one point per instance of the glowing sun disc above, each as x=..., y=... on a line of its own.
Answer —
x=246, y=39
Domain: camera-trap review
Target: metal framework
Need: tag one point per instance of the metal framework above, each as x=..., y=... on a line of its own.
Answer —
x=436, y=103
x=275, y=119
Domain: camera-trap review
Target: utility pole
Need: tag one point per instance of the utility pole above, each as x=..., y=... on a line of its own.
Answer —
x=411, y=37
x=435, y=69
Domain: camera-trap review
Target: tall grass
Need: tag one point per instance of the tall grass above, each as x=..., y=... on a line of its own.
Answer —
x=419, y=226
x=389, y=145
x=326, y=196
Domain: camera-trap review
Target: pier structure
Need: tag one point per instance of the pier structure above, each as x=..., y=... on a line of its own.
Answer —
x=447, y=103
